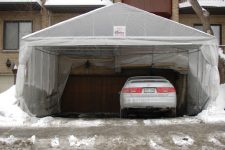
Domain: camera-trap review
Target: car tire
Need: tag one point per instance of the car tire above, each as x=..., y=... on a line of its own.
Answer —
x=123, y=113
x=173, y=112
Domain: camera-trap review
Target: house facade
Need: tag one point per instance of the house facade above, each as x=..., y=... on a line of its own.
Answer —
x=19, y=18
x=216, y=9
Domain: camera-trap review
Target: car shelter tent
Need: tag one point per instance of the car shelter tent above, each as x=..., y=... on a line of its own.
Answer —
x=114, y=36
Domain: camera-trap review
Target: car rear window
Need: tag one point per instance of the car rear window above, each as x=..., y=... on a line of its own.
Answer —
x=143, y=81
x=146, y=78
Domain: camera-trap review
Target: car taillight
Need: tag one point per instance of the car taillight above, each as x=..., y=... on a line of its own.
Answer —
x=131, y=90
x=165, y=90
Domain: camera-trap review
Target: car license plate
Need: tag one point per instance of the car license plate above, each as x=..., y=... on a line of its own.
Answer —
x=149, y=90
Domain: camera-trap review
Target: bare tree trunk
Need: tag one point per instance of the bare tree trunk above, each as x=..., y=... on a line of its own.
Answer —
x=203, y=15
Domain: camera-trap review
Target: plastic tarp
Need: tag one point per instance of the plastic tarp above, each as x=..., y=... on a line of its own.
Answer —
x=114, y=36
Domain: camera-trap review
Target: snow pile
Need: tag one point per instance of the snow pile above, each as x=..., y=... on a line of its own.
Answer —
x=182, y=140
x=221, y=54
x=174, y=121
x=85, y=123
x=55, y=142
x=212, y=116
x=216, y=113
x=215, y=141
x=10, y=112
x=121, y=122
x=155, y=146
x=9, y=141
x=86, y=142
x=44, y=122
x=217, y=138
x=32, y=139
x=72, y=140
x=65, y=122
x=156, y=142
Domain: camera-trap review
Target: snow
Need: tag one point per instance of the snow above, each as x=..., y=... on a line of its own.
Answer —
x=10, y=112
x=32, y=139
x=12, y=140
x=9, y=141
x=84, y=142
x=216, y=113
x=77, y=2
x=221, y=54
x=182, y=140
x=206, y=3
x=173, y=121
x=12, y=115
x=155, y=146
x=212, y=116
x=55, y=142
x=156, y=142
x=215, y=141
x=72, y=140
x=59, y=122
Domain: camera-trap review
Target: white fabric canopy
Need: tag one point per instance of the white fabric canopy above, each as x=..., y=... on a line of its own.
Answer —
x=126, y=36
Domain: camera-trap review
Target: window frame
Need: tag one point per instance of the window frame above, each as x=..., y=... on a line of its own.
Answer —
x=4, y=32
x=213, y=24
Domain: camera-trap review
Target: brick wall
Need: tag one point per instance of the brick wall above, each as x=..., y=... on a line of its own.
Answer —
x=58, y=17
x=175, y=10
x=33, y=16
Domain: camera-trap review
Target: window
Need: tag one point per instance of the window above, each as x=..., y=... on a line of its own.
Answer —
x=14, y=31
x=216, y=30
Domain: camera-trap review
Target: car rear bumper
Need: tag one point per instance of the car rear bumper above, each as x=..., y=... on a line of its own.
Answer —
x=148, y=102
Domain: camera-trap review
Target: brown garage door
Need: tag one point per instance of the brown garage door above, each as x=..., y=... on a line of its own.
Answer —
x=92, y=94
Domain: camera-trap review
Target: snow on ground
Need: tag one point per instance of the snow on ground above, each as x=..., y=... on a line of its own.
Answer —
x=182, y=140
x=58, y=122
x=156, y=142
x=10, y=140
x=86, y=142
x=216, y=138
x=10, y=112
x=221, y=54
x=215, y=141
x=12, y=115
x=216, y=113
x=55, y=142
x=172, y=121
x=16, y=142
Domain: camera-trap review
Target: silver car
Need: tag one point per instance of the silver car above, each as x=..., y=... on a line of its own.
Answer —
x=148, y=92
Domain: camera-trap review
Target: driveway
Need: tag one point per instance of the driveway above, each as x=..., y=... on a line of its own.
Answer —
x=116, y=134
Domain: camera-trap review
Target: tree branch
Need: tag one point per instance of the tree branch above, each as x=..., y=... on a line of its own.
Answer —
x=203, y=15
